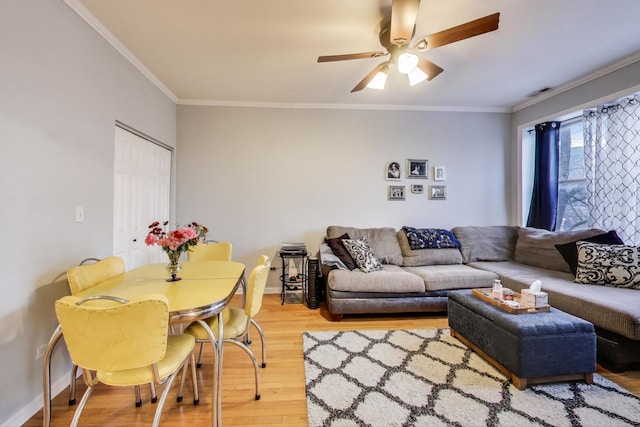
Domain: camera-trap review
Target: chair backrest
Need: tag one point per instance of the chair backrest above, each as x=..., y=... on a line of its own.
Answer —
x=107, y=335
x=263, y=260
x=255, y=289
x=85, y=276
x=220, y=251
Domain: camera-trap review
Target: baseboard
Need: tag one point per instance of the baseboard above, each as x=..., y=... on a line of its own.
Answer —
x=29, y=410
x=273, y=289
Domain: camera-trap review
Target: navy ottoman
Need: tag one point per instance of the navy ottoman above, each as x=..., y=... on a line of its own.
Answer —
x=529, y=348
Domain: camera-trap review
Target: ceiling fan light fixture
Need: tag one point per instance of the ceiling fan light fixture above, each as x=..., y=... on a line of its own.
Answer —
x=378, y=81
x=407, y=62
x=416, y=76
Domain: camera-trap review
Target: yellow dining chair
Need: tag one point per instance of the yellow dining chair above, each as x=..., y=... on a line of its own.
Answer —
x=124, y=343
x=237, y=320
x=217, y=251
x=87, y=274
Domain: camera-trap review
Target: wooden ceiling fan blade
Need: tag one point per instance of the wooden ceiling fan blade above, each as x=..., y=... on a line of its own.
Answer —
x=364, y=82
x=363, y=55
x=403, y=21
x=464, y=31
x=429, y=68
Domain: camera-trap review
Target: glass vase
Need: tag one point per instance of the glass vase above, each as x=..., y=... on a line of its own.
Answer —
x=173, y=267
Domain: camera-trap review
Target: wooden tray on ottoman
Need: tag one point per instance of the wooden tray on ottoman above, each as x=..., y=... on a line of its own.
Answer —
x=487, y=296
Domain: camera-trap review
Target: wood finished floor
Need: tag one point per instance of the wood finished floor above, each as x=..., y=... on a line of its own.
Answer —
x=282, y=400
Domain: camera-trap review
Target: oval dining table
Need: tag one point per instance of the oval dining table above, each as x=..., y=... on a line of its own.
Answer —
x=204, y=291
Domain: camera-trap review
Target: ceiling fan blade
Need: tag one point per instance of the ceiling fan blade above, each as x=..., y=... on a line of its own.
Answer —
x=363, y=55
x=364, y=82
x=460, y=32
x=429, y=68
x=403, y=21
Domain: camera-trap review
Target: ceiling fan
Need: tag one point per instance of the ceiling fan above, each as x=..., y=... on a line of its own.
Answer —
x=395, y=37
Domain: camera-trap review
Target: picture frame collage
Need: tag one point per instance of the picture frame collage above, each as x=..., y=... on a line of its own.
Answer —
x=415, y=169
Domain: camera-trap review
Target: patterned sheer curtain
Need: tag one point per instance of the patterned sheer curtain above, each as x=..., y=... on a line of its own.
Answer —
x=612, y=160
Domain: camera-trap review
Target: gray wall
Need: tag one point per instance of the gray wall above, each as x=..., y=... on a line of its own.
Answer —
x=61, y=89
x=258, y=177
x=618, y=83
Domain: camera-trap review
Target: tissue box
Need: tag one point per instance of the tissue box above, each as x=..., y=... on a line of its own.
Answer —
x=532, y=299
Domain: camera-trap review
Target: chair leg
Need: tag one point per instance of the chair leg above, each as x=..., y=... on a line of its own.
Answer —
x=154, y=395
x=80, y=408
x=194, y=379
x=138, y=396
x=72, y=385
x=165, y=393
x=199, y=365
x=264, y=345
x=253, y=360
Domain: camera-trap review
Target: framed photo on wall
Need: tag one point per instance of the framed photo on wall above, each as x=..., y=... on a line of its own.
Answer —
x=439, y=173
x=417, y=188
x=396, y=192
x=393, y=172
x=438, y=192
x=417, y=168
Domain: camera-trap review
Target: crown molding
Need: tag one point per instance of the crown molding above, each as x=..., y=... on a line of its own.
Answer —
x=90, y=19
x=312, y=106
x=585, y=79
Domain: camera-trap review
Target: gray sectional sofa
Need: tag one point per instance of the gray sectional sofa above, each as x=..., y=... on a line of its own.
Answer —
x=419, y=280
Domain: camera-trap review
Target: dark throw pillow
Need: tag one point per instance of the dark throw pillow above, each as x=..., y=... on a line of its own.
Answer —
x=341, y=252
x=569, y=251
x=430, y=238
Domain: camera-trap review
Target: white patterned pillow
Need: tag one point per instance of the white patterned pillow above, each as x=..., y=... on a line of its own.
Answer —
x=362, y=254
x=609, y=265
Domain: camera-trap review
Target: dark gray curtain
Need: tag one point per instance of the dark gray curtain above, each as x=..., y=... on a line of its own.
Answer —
x=544, y=200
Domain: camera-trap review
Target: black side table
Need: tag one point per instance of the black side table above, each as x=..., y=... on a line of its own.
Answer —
x=297, y=282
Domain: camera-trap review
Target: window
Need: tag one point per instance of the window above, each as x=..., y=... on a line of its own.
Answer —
x=573, y=210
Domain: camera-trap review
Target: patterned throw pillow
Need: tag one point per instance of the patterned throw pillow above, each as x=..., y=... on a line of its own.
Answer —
x=362, y=254
x=609, y=265
x=430, y=238
x=569, y=251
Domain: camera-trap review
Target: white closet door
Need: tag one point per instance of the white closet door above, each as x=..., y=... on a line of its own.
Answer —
x=142, y=176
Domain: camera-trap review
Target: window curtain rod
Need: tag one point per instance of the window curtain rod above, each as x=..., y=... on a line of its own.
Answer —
x=604, y=108
x=533, y=129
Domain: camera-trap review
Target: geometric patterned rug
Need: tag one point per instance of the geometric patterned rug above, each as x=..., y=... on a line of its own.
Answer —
x=424, y=377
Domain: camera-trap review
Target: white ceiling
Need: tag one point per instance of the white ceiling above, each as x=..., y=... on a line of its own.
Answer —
x=264, y=52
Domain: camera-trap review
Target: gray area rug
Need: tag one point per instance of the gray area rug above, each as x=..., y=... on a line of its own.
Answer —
x=424, y=377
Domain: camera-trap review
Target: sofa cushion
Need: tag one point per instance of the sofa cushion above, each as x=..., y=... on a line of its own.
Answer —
x=609, y=265
x=383, y=241
x=487, y=243
x=412, y=258
x=613, y=309
x=362, y=254
x=447, y=277
x=569, y=251
x=340, y=251
x=390, y=279
x=430, y=238
x=537, y=247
